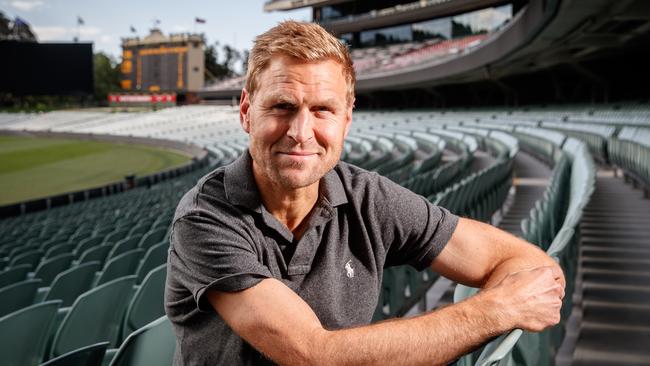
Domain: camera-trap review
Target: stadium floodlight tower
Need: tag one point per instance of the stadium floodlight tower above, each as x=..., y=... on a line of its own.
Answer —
x=159, y=63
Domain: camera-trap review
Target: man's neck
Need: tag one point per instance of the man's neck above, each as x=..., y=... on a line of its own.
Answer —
x=290, y=206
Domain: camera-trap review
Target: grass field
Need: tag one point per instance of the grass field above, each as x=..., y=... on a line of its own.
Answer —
x=39, y=167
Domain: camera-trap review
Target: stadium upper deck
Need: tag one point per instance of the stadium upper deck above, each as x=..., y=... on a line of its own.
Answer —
x=571, y=50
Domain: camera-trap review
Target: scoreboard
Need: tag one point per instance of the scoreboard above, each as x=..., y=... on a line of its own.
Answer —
x=29, y=68
x=162, y=64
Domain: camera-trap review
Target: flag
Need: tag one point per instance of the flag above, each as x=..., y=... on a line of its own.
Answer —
x=80, y=20
x=133, y=29
x=199, y=20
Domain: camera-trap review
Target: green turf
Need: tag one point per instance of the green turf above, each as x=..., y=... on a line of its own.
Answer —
x=39, y=167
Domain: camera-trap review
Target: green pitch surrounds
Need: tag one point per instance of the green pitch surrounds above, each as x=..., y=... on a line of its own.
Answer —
x=40, y=167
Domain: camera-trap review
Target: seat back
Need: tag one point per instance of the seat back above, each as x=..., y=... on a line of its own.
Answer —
x=92, y=355
x=95, y=254
x=51, y=267
x=17, y=296
x=152, y=345
x=124, y=246
x=24, y=334
x=94, y=317
x=31, y=257
x=71, y=283
x=155, y=256
x=14, y=274
x=152, y=237
x=123, y=265
x=148, y=301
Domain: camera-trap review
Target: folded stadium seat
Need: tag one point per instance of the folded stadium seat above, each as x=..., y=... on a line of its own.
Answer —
x=152, y=345
x=99, y=254
x=30, y=256
x=48, y=244
x=148, y=301
x=155, y=256
x=58, y=249
x=17, y=296
x=124, y=246
x=92, y=355
x=71, y=283
x=94, y=317
x=116, y=235
x=24, y=334
x=497, y=351
x=139, y=230
x=152, y=237
x=14, y=274
x=124, y=264
x=4, y=262
x=48, y=269
x=87, y=243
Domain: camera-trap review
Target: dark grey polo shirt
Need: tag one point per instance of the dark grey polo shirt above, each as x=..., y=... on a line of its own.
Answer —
x=224, y=239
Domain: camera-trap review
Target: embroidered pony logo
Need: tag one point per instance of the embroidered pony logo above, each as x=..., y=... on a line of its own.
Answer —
x=348, y=269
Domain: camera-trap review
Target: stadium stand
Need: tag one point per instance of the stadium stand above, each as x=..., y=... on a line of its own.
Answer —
x=464, y=160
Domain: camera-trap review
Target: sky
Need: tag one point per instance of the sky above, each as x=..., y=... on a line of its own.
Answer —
x=107, y=21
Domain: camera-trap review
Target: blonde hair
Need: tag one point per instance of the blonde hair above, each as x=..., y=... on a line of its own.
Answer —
x=304, y=41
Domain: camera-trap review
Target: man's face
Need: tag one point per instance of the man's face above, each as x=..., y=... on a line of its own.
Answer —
x=297, y=121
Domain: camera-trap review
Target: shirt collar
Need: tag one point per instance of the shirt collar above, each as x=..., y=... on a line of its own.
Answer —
x=241, y=189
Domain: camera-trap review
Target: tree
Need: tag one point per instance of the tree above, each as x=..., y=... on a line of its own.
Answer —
x=216, y=70
x=107, y=76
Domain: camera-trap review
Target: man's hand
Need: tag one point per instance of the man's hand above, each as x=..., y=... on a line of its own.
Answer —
x=530, y=299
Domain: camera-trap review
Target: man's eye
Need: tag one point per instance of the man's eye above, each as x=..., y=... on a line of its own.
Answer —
x=283, y=106
x=323, y=109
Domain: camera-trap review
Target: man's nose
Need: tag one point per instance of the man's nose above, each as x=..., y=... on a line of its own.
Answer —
x=301, y=126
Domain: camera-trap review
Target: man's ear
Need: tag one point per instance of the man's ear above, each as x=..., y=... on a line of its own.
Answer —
x=244, y=109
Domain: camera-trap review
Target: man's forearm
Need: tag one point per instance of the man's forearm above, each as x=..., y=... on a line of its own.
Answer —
x=434, y=338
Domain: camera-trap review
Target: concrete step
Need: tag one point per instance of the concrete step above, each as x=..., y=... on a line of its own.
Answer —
x=614, y=277
x=619, y=242
x=615, y=252
x=610, y=312
x=605, y=344
x=630, y=294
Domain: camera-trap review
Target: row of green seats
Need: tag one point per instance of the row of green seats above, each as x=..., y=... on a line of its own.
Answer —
x=631, y=152
x=576, y=165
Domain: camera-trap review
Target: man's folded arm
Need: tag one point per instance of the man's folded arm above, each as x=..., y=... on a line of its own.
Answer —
x=523, y=288
x=279, y=324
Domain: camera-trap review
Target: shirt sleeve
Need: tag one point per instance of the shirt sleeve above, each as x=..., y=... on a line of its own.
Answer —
x=207, y=255
x=415, y=230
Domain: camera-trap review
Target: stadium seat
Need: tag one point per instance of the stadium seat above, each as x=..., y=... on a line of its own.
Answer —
x=17, y=296
x=59, y=249
x=123, y=265
x=155, y=256
x=92, y=355
x=50, y=268
x=86, y=244
x=152, y=237
x=152, y=345
x=148, y=301
x=124, y=246
x=115, y=236
x=69, y=284
x=94, y=317
x=98, y=254
x=31, y=257
x=14, y=274
x=24, y=334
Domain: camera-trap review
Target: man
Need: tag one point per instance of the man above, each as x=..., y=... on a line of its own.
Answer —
x=278, y=257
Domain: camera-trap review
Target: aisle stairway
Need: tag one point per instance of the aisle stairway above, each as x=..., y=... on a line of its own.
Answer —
x=615, y=263
x=531, y=178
